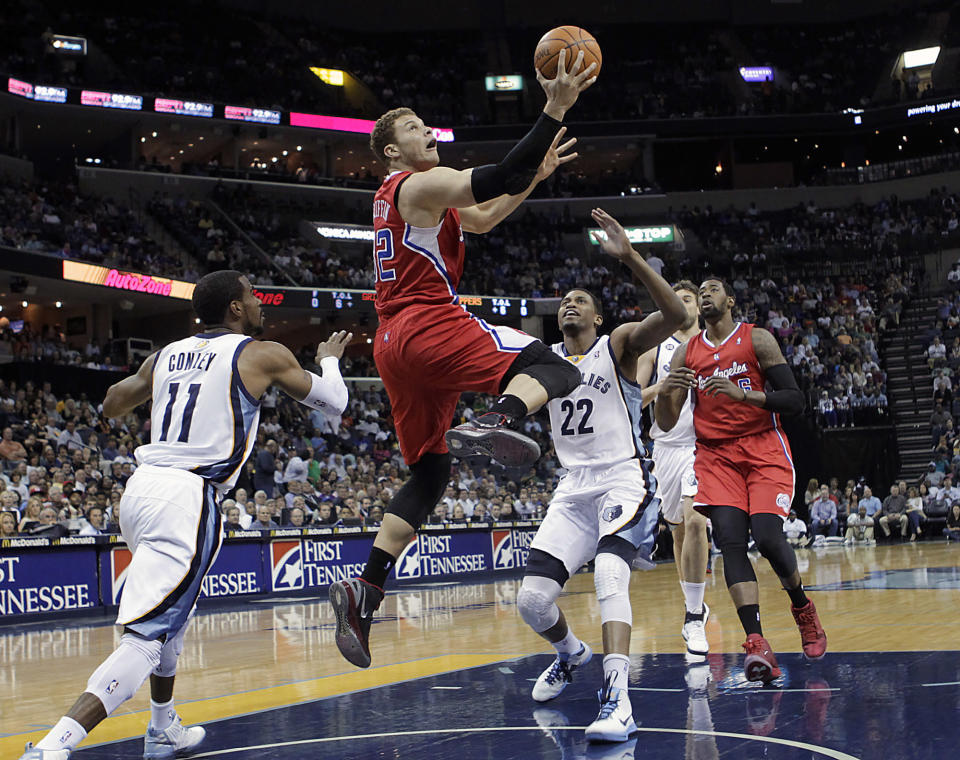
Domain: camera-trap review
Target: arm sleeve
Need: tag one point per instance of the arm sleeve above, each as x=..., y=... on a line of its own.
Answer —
x=514, y=174
x=786, y=396
x=327, y=392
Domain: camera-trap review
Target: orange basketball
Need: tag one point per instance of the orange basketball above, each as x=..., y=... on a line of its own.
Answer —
x=4, y=323
x=573, y=39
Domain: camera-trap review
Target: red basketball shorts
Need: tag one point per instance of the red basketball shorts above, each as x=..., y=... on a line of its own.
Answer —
x=427, y=356
x=754, y=473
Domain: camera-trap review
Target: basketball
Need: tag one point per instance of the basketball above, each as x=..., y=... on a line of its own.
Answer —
x=4, y=323
x=573, y=39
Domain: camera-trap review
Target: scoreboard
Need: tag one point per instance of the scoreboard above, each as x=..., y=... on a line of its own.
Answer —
x=362, y=302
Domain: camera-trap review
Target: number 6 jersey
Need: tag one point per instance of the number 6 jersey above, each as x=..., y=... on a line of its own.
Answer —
x=720, y=417
x=203, y=419
x=599, y=423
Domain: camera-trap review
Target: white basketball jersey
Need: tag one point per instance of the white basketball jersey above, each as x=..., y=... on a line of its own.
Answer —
x=683, y=433
x=203, y=419
x=599, y=423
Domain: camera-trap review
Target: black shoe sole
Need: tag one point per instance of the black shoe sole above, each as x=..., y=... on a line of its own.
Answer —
x=509, y=448
x=348, y=642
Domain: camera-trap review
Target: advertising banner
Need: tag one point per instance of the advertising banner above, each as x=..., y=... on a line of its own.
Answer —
x=33, y=582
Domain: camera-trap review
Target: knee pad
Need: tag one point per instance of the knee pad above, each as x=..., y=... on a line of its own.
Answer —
x=611, y=576
x=120, y=676
x=170, y=653
x=537, y=602
x=420, y=494
x=557, y=376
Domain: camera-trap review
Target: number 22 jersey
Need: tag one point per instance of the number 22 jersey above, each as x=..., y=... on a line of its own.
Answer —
x=599, y=423
x=203, y=419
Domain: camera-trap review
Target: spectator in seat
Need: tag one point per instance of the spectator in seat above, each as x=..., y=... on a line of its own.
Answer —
x=828, y=414
x=894, y=511
x=859, y=526
x=459, y=516
x=264, y=519
x=232, y=518
x=439, y=514
x=374, y=516
x=952, y=531
x=915, y=511
x=324, y=514
x=296, y=518
x=936, y=353
x=95, y=522
x=11, y=451
x=935, y=511
x=812, y=493
x=8, y=524
x=823, y=514
x=796, y=530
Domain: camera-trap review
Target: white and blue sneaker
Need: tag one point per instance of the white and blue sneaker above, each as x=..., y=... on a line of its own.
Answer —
x=32, y=753
x=560, y=673
x=173, y=741
x=615, y=721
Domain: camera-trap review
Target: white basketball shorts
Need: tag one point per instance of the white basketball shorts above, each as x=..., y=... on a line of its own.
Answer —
x=673, y=466
x=170, y=521
x=593, y=502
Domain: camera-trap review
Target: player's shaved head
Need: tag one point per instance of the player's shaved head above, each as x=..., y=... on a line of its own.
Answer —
x=383, y=132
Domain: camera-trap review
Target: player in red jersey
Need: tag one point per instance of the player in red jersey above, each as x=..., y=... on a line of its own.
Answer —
x=428, y=348
x=743, y=463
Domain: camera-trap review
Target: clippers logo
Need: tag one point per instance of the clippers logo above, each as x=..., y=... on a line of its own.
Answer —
x=408, y=563
x=119, y=565
x=609, y=514
x=287, y=562
x=511, y=548
x=783, y=500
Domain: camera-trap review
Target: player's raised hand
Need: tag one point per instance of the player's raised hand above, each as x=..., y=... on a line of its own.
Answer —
x=562, y=91
x=334, y=345
x=614, y=241
x=678, y=379
x=556, y=155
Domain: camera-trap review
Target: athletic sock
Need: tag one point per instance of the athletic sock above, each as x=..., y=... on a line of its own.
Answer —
x=798, y=596
x=568, y=645
x=750, y=618
x=67, y=734
x=616, y=670
x=162, y=715
x=510, y=406
x=378, y=567
x=693, y=596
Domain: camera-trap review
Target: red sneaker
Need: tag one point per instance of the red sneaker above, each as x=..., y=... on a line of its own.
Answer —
x=354, y=602
x=811, y=632
x=760, y=663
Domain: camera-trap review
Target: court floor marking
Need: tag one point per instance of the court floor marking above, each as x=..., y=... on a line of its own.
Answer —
x=945, y=683
x=824, y=751
x=131, y=725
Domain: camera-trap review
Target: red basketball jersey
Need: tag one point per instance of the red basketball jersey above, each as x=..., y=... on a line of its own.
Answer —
x=720, y=417
x=413, y=265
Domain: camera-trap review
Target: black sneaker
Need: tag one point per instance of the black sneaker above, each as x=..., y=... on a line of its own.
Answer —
x=354, y=602
x=491, y=435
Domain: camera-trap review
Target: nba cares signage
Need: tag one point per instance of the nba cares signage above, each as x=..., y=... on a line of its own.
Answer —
x=122, y=280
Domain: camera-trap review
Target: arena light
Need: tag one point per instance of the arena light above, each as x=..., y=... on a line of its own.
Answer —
x=333, y=77
x=756, y=73
x=913, y=59
x=65, y=43
x=504, y=83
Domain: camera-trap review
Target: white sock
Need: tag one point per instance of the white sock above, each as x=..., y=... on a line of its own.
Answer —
x=693, y=596
x=568, y=645
x=67, y=734
x=617, y=668
x=163, y=715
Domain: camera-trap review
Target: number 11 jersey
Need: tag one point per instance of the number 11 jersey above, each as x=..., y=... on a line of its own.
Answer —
x=599, y=423
x=203, y=419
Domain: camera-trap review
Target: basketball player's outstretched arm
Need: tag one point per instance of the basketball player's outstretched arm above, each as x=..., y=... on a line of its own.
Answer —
x=485, y=216
x=631, y=340
x=125, y=396
x=265, y=363
x=673, y=390
x=441, y=187
x=786, y=396
x=645, y=368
